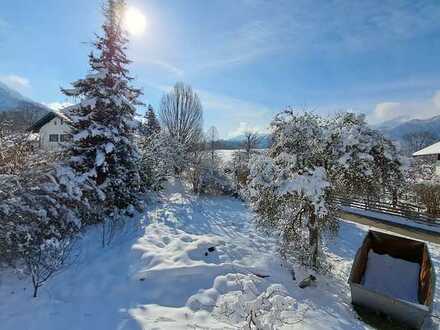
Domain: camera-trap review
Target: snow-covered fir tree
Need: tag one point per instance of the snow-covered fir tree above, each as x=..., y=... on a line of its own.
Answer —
x=151, y=124
x=156, y=159
x=103, y=155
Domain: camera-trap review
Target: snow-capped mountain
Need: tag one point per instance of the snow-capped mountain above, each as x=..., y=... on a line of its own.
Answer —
x=18, y=109
x=398, y=128
x=11, y=100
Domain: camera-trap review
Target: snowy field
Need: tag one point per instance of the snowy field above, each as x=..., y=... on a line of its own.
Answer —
x=226, y=154
x=190, y=264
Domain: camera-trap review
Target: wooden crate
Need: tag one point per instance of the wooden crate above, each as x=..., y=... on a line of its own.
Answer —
x=409, y=313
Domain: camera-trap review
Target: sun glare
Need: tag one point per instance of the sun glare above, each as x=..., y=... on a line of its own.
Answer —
x=134, y=21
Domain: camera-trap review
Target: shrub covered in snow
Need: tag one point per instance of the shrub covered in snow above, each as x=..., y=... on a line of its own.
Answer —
x=311, y=159
x=37, y=223
x=205, y=172
x=243, y=301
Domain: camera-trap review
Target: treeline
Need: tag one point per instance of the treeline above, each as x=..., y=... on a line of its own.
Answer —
x=23, y=116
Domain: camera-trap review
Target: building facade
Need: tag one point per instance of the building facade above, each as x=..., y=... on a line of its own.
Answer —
x=53, y=130
x=431, y=151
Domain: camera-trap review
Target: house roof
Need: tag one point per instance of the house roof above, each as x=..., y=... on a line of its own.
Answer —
x=433, y=149
x=35, y=128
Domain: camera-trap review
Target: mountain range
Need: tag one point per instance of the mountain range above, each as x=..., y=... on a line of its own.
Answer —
x=18, y=109
x=23, y=112
x=398, y=128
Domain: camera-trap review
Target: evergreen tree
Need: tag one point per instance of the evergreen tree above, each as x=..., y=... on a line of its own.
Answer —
x=151, y=124
x=103, y=153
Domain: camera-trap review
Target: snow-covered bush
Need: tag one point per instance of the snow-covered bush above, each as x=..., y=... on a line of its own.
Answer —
x=295, y=203
x=429, y=195
x=210, y=177
x=366, y=162
x=311, y=159
x=37, y=224
x=16, y=150
x=238, y=169
x=205, y=173
x=248, y=306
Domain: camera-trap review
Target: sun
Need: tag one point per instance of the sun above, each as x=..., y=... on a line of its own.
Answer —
x=134, y=21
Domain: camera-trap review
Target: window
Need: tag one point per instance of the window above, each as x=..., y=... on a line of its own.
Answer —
x=53, y=138
x=65, y=137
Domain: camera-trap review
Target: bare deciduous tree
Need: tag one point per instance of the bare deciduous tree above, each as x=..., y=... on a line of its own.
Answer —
x=212, y=141
x=251, y=141
x=47, y=259
x=181, y=114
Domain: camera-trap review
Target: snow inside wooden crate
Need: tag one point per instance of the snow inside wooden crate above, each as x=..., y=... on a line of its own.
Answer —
x=386, y=287
x=394, y=277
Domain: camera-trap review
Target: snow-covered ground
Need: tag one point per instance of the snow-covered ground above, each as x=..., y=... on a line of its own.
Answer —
x=226, y=154
x=164, y=274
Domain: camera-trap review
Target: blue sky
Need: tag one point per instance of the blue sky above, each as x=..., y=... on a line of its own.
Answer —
x=247, y=59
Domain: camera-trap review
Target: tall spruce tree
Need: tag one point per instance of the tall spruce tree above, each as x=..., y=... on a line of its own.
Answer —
x=103, y=153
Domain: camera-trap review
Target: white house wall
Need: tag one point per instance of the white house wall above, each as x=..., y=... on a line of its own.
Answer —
x=55, y=126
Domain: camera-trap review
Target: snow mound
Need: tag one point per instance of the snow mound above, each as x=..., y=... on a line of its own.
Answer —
x=164, y=247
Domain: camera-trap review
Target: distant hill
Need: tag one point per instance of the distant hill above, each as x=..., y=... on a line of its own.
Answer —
x=20, y=110
x=236, y=142
x=397, y=129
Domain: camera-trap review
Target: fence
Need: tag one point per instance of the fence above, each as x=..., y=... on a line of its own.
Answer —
x=412, y=212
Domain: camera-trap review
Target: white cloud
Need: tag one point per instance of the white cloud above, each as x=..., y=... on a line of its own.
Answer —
x=244, y=127
x=415, y=109
x=58, y=105
x=15, y=82
x=387, y=110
